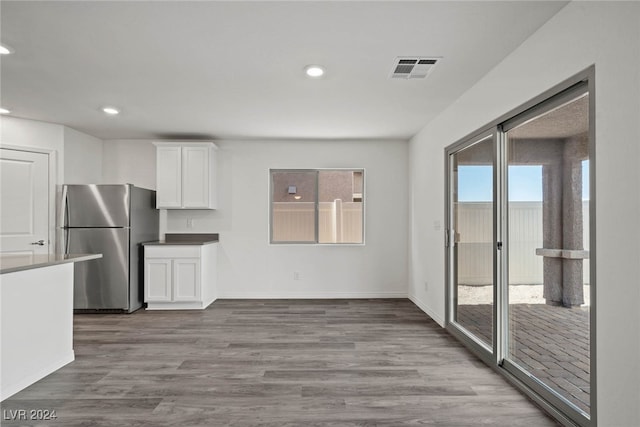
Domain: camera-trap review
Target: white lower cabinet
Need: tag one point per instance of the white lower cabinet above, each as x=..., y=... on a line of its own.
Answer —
x=186, y=279
x=158, y=279
x=180, y=277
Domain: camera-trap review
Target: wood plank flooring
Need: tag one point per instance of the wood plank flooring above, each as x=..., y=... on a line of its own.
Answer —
x=273, y=363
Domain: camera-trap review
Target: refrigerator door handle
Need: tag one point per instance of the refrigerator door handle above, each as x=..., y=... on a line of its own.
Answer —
x=66, y=241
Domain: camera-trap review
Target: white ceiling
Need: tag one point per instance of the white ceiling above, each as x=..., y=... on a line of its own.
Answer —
x=208, y=69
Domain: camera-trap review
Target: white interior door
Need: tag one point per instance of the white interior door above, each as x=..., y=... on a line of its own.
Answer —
x=24, y=202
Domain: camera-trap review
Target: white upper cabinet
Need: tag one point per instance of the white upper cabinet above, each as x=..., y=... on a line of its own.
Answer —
x=186, y=175
x=169, y=177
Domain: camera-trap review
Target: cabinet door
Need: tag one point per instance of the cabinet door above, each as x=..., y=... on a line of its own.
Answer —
x=196, y=179
x=169, y=177
x=186, y=279
x=157, y=279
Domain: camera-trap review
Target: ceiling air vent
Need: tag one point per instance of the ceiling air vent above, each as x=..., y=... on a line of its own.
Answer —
x=412, y=68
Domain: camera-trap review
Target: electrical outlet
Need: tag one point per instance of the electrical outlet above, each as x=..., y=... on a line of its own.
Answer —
x=189, y=222
x=296, y=275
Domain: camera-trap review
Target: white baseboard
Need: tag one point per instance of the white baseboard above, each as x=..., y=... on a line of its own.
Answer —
x=177, y=305
x=429, y=311
x=9, y=390
x=310, y=295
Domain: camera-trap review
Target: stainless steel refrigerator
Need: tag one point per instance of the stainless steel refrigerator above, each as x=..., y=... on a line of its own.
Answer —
x=112, y=220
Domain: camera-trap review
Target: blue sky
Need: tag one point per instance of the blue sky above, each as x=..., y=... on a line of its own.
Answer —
x=475, y=183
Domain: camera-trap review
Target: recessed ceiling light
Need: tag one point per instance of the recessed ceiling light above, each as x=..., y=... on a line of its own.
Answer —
x=5, y=50
x=314, y=71
x=111, y=111
x=4, y=111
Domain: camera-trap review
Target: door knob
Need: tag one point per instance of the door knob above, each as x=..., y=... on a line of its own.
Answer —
x=39, y=243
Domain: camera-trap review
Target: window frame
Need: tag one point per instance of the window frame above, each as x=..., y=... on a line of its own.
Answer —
x=316, y=241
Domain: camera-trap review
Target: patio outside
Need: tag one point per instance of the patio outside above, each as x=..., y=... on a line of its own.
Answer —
x=551, y=342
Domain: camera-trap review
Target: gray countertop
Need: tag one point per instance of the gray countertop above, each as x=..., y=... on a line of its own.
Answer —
x=186, y=239
x=13, y=263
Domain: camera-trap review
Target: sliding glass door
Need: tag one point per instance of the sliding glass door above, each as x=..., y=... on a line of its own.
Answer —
x=548, y=248
x=472, y=238
x=520, y=258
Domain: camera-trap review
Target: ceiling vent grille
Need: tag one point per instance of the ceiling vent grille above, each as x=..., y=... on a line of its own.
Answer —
x=412, y=67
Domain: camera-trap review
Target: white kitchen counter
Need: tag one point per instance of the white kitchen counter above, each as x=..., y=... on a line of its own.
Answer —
x=13, y=263
x=36, y=317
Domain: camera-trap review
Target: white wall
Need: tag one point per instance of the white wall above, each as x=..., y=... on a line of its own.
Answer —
x=129, y=161
x=249, y=267
x=606, y=34
x=82, y=153
x=83, y=157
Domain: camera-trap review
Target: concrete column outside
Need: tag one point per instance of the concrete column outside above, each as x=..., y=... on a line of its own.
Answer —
x=572, y=230
x=552, y=225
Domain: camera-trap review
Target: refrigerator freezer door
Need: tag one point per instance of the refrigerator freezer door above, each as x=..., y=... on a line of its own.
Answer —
x=100, y=283
x=96, y=205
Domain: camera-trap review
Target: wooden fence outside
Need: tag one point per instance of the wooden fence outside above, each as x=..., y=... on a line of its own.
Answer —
x=338, y=222
x=475, y=242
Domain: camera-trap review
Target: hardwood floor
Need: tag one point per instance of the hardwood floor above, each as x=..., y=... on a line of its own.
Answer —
x=273, y=363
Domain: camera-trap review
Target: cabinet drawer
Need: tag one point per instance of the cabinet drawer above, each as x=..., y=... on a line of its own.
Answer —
x=172, y=251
